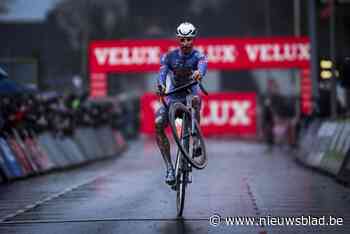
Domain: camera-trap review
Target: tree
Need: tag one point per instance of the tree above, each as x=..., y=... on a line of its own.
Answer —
x=4, y=6
x=84, y=20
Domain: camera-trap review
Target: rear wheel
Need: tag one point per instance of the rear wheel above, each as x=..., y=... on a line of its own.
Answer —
x=186, y=147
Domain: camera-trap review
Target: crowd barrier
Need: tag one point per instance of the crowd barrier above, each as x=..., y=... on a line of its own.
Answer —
x=27, y=154
x=325, y=145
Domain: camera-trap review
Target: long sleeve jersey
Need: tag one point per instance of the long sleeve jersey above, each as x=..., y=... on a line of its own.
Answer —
x=181, y=68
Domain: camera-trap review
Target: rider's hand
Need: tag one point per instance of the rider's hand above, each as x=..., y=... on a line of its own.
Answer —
x=161, y=90
x=197, y=75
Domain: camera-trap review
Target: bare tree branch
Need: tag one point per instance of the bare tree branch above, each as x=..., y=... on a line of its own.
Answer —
x=79, y=18
x=4, y=6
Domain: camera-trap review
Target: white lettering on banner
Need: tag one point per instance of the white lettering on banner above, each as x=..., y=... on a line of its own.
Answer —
x=252, y=52
x=153, y=55
x=278, y=52
x=101, y=55
x=219, y=53
x=138, y=55
x=221, y=113
x=216, y=53
x=290, y=52
x=229, y=54
x=239, y=116
x=214, y=113
x=113, y=56
x=127, y=56
x=304, y=51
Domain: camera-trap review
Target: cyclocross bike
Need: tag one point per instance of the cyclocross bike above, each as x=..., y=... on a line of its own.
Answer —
x=185, y=136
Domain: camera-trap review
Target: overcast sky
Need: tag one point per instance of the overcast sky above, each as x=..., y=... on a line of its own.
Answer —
x=28, y=10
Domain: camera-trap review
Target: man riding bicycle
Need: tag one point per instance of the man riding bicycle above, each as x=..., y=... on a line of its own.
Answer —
x=183, y=63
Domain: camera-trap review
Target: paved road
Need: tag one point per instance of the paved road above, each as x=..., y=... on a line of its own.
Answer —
x=127, y=195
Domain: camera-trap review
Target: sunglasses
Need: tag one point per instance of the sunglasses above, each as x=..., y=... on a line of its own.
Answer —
x=188, y=39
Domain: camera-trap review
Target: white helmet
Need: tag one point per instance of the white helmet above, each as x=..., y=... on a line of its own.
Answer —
x=186, y=29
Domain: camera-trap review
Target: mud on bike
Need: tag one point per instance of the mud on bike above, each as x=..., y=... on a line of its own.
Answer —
x=186, y=132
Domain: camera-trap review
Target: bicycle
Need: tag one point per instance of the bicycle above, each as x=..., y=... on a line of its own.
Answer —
x=185, y=139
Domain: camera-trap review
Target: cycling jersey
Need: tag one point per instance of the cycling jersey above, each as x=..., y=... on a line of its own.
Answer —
x=181, y=67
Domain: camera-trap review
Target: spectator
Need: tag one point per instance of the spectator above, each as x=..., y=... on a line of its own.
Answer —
x=268, y=120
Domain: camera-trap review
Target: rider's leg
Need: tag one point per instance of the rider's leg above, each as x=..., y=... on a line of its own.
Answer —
x=161, y=122
x=197, y=104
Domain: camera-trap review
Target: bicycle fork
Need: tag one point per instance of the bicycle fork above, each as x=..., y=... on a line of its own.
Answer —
x=185, y=166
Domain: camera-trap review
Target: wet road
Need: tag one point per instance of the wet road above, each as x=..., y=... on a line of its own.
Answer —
x=127, y=195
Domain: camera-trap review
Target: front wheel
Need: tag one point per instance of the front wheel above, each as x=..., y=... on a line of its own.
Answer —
x=186, y=141
x=180, y=193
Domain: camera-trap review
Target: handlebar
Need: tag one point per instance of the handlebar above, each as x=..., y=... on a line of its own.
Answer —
x=181, y=88
x=186, y=86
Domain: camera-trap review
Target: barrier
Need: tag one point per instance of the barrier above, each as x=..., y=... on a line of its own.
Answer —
x=94, y=142
x=5, y=168
x=62, y=159
x=326, y=146
x=106, y=140
x=13, y=166
x=309, y=144
x=74, y=150
x=27, y=154
x=20, y=156
x=45, y=162
x=344, y=172
x=323, y=139
x=62, y=146
x=44, y=141
x=335, y=154
x=80, y=137
x=119, y=140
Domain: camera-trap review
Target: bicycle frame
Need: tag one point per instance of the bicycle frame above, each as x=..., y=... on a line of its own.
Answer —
x=180, y=160
x=182, y=170
x=185, y=141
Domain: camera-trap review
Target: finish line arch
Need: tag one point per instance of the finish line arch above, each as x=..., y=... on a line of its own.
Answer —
x=229, y=53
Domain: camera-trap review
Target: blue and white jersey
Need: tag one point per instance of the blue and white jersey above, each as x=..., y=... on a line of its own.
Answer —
x=181, y=68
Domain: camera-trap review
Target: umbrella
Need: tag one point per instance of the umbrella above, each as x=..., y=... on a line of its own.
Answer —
x=8, y=86
x=3, y=74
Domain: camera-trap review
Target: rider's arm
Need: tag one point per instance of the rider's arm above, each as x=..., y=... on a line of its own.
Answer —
x=164, y=69
x=202, y=65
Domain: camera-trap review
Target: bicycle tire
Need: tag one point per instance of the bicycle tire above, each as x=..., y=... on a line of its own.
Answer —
x=180, y=181
x=181, y=108
x=180, y=194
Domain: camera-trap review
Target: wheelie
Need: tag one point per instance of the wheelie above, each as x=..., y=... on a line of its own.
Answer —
x=181, y=105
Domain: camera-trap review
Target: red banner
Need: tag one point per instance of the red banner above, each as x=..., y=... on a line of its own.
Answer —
x=221, y=114
x=98, y=85
x=222, y=53
x=306, y=92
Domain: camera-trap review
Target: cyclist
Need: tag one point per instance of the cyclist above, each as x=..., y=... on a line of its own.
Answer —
x=182, y=63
